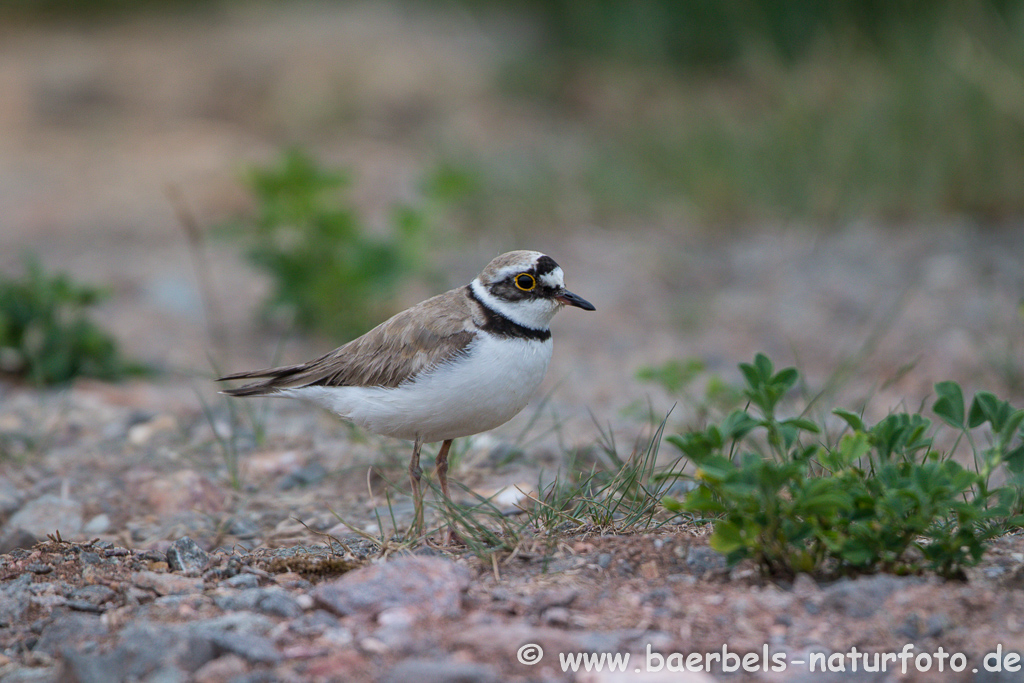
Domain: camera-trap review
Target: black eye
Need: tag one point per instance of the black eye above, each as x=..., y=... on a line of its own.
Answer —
x=525, y=282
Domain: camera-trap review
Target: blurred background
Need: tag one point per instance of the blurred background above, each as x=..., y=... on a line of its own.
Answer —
x=839, y=185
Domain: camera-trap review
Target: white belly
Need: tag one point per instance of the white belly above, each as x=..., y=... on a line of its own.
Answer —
x=474, y=393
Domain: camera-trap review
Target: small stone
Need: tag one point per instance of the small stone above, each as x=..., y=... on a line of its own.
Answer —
x=49, y=514
x=251, y=647
x=700, y=559
x=431, y=586
x=556, y=616
x=221, y=670
x=187, y=557
x=308, y=475
x=14, y=539
x=441, y=671
x=71, y=629
x=604, y=560
x=314, y=624
x=271, y=600
x=167, y=584
x=10, y=497
x=97, y=525
x=88, y=557
x=15, y=600
x=243, y=581
x=95, y=594
x=860, y=598
x=141, y=434
x=244, y=529
x=182, y=491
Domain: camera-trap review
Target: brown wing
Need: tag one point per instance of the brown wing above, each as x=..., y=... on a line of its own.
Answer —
x=395, y=351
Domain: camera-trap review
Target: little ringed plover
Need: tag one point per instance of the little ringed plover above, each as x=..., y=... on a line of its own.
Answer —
x=459, y=363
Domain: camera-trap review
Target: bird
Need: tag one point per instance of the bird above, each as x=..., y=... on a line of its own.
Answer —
x=459, y=363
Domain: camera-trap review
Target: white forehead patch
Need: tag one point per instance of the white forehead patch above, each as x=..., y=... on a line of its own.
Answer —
x=553, y=279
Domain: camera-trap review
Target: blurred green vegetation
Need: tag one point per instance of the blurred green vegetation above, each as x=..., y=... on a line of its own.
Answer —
x=331, y=272
x=732, y=111
x=46, y=335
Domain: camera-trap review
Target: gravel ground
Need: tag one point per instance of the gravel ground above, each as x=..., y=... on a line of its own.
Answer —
x=166, y=571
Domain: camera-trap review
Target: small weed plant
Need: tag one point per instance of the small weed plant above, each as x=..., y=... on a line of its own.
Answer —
x=330, y=272
x=46, y=335
x=879, y=497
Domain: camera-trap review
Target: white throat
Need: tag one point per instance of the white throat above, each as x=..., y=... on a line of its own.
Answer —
x=535, y=314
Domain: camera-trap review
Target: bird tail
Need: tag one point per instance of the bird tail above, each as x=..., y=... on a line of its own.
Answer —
x=272, y=380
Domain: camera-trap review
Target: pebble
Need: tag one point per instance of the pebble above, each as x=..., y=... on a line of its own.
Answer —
x=48, y=514
x=441, y=671
x=222, y=669
x=271, y=600
x=243, y=581
x=10, y=497
x=249, y=646
x=700, y=559
x=860, y=598
x=187, y=557
x=73, y=629
x=97, y=525
x=306, y=475
x=178, y=492
x=430, y=586
x=166, y=584
x=15, y=599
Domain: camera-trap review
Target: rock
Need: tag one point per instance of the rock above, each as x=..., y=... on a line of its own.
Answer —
x=700, y=559
x=430, y=586
x=243, y=581
x=314, y=623
x=182, y=491
x=187, y=557
x=862, y=597
x=92, y=598
x=221, y=670
x=10, y=497
x=48, y=514
x=97, y=525
x=441, y=671
x=271, y=600
x=641, y=676
x=167, y=584
x=70, y=629
x=249, y=646
x=12, y=539
x=15, y=598
x=142, y=433
x=146, y=652
x=310, y=474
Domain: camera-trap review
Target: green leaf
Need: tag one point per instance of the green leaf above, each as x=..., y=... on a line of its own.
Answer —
x=950, y=404
x=802, y=423
x=672, y=505
x=785, y=379
x=726, y=538
x=1015, y=459
x=852, y=419
x=984, y=408
x=1010, y=426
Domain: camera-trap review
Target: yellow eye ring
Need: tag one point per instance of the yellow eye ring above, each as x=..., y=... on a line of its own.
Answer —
x=525, y=282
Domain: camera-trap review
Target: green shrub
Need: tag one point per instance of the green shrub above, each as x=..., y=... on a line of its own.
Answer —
x=330, y=273
x=880, y=499
x=45, y=333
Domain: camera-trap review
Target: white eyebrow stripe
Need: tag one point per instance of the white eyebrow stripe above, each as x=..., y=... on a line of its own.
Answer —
x=553, y=279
